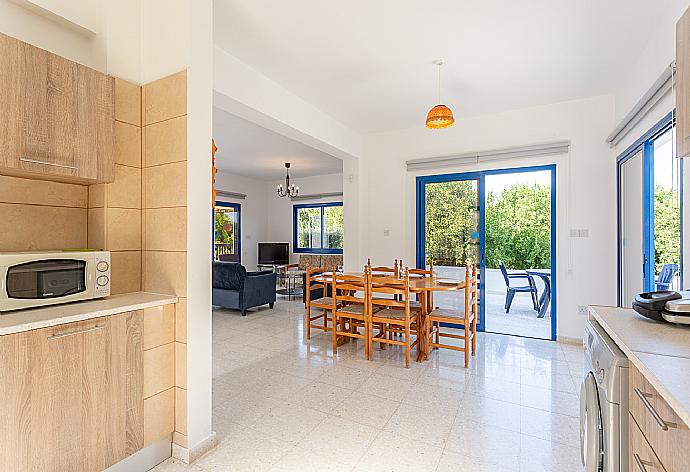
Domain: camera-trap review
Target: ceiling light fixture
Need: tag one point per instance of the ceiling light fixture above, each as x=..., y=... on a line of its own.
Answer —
x=290, y=190
x=440, y=116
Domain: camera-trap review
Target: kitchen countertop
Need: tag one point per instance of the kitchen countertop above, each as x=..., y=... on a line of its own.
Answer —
x=660, y=351
x=25, y=320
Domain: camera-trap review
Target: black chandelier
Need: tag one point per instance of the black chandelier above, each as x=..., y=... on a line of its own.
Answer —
x=290, y=190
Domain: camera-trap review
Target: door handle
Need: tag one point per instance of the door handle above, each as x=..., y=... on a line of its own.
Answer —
x=640, y=463
x=46, y=163
x=74, y=333
x=652, y=411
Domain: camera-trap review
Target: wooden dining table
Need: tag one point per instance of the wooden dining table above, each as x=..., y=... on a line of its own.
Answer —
x=424, y=286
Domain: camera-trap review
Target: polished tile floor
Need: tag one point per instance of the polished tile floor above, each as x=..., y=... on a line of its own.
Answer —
x=283, y=404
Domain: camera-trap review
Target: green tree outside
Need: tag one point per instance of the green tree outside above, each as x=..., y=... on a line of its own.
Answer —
x=666, y=227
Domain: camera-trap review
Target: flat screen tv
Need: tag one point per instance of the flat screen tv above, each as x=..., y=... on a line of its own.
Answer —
x=274, y=253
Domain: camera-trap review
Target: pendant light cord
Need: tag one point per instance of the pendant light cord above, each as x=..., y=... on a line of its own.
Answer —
x=439, y=83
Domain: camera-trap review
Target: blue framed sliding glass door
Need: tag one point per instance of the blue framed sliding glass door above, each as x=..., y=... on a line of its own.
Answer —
x=649, y=188
x=452, y=230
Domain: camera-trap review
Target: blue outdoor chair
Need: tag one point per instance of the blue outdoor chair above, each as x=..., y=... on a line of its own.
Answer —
x=531, y=287
x=668, y=271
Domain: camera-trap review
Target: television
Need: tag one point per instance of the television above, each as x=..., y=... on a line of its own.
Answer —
x=274, y=253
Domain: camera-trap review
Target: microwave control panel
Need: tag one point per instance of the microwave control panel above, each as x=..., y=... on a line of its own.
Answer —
x=102, y=275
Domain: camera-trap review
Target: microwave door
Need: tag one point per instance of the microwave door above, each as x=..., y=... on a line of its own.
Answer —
x=51, y=278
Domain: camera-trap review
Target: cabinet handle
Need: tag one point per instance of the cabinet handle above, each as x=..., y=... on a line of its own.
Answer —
x=640, y=463
x=45, y=163
x=659, y=420
x=73, y=333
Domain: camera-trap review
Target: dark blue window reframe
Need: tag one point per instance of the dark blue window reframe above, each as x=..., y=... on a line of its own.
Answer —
x=238, y=209
x=646, y=144
x=321, y=250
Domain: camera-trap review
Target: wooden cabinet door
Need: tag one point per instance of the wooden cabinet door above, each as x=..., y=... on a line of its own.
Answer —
x=73, y=396
x=94, y=125
x=10, y=109
x=48, y=117
x=683, y=84
x=57, y=116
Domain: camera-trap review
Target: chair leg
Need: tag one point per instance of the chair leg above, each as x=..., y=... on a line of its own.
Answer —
x=307, y=312
x=407, y=346
x=466, y=329
x=535, y=301
x=509, y=300
x=334, y=333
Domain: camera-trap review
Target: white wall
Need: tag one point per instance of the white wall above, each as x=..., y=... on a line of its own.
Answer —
x=279, y=210
x=586, y=268
x=253, y=216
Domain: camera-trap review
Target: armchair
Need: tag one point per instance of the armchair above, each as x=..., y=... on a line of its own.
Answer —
x=237, y=289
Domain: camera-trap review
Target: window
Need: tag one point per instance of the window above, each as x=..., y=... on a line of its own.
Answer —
x=226, y=231
x=318, y=228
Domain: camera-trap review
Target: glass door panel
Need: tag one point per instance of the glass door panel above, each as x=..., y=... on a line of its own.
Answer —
x=451, y=231
x=631, y=224
x=226, y=234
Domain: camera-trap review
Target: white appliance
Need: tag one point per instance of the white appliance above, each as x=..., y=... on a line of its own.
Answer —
x=603, y=404
x=33, y=279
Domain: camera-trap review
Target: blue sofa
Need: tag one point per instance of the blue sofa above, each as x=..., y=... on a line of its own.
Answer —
x=237, y=289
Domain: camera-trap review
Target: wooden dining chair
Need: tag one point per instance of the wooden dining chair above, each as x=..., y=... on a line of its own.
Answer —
x=324, y=305
x=384, y=270
x=417, y=304
x=389, y=305
x=349, y=309
x=466, y=317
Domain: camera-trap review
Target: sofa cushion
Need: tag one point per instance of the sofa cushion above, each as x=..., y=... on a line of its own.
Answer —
x=228, y=275
x=332, y=261
x=314, y=261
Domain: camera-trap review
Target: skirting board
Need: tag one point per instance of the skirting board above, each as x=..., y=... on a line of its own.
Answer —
x=190, y=455
x=145, y=459
x=567, y=340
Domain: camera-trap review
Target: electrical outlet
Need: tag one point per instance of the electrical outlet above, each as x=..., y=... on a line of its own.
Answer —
x=582, y=310
x=386, y=232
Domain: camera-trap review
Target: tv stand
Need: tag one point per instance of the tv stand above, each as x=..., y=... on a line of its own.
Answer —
x=274, y=267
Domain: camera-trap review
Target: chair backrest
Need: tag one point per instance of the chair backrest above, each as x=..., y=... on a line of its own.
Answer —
x=313, y=281
x=502, y=266
x=470, y=291
x=399, y=288
x=668, y=271
x=423, y=272
x=348, y=288
x=384, y=270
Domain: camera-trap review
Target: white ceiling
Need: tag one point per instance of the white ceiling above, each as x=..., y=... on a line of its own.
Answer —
x=248, y=149
x=368, y=63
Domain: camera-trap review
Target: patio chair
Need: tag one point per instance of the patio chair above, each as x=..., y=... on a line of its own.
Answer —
x=530, y=288
x=668, y=271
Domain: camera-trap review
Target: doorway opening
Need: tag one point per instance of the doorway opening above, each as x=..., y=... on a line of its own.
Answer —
x=504, y=222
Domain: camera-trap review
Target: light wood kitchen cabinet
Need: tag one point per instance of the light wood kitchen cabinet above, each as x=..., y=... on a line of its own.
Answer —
x=682, y=86
x=57, y=116
x=72, y=395
x=666, y=434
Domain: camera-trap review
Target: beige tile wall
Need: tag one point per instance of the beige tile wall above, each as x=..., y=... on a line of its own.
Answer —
x=164, y=207
x=115, y=211
x=42, y=215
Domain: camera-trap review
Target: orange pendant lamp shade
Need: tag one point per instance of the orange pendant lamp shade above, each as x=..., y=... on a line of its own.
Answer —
x=439, y=117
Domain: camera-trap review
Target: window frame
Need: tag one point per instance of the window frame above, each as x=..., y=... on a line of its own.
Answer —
x=238, y=209
x=322, y=250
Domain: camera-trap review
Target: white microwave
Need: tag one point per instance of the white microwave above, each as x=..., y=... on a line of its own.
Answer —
x=34, y=279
